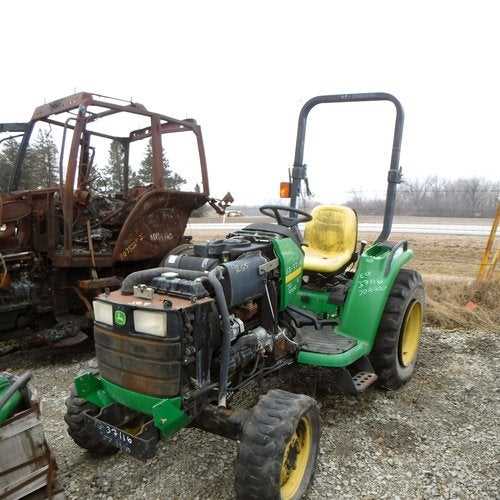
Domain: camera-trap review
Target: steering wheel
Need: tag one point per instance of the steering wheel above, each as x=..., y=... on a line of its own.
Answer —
x=274, y=211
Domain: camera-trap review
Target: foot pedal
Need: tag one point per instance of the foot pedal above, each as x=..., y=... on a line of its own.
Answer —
x=354, y=384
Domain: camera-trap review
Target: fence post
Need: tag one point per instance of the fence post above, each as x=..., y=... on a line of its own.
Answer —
x=485, y=260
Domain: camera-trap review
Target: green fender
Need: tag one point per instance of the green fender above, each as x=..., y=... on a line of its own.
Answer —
x=361, y=313
x=377, y=270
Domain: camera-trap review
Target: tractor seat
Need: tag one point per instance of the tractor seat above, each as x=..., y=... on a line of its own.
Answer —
x=331, y=238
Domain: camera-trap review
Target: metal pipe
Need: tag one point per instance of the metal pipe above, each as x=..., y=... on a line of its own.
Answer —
x=158, y=169
x=19, y=383
x=13, y=127
x=21, y=153
x=61, y=156
x=213, y=278
x=91, y=132
x=68, y=191
x=126, y=166
x=221, y=421
x=10, y=137
x=394, y=175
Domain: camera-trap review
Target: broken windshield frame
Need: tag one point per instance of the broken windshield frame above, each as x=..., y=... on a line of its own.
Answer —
x=159, y=125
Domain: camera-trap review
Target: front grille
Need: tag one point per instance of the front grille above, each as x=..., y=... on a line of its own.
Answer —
x=147, y=365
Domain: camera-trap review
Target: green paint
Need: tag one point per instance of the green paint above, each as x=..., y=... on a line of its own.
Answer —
x=120, y=318
x=90, y=387
x=333, y=360
x=368, y=294
x=315, y=301
x=291, y=261
x=12, y=404
x=360, y=316
x=167, y=414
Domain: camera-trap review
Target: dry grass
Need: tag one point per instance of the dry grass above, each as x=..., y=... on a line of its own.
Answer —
x=446, y=299
x=447, y=255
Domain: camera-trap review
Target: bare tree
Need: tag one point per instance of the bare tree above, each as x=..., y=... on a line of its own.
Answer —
x=435, y=196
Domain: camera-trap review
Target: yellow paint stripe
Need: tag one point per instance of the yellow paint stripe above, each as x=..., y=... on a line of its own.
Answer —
x=293, y=275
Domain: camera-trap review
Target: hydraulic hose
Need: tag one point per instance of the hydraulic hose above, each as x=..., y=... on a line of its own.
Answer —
x=213, y=279
x=147, y=275
x=18, y=383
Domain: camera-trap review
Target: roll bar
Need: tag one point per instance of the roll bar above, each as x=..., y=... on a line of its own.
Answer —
x=299, y=171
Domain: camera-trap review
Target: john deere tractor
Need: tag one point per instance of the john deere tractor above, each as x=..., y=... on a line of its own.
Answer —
x=177, y=342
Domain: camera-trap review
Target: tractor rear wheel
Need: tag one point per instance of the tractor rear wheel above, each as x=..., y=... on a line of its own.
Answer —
x=75, y=407
x=394, y=354
x=279, y=448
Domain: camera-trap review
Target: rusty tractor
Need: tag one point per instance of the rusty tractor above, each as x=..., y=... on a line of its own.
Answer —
x=65, y=240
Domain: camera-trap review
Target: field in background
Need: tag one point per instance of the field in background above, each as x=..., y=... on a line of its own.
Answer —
x=398, y=219
x=434, y=254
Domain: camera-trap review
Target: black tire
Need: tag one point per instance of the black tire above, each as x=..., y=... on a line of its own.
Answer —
x=268, y=434
x=386, y=356
x=75, y=407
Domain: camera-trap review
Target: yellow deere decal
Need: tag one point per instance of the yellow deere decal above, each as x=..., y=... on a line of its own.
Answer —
x=293, y=275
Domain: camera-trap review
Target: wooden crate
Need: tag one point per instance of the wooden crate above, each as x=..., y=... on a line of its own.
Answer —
x=26, y=464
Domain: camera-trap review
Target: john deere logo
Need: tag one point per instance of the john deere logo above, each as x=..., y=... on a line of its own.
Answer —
x=120, y=318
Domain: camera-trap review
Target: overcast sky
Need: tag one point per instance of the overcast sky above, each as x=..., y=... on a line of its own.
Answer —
x=243, y=70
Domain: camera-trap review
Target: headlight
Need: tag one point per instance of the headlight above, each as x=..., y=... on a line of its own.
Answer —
x=150, y=322
x=103, y=312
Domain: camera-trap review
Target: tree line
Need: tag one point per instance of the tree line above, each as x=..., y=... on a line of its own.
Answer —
x=40, y=168
x=111, y=179
x=436, y=196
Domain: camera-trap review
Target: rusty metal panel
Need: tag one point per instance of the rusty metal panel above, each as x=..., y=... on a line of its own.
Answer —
x=155, y=225
x=61, y=105
x=137, y=363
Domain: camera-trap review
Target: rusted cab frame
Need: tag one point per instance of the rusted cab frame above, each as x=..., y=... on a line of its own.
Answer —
x=78, y=160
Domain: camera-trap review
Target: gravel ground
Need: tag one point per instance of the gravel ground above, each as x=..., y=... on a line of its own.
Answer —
x=437, y=437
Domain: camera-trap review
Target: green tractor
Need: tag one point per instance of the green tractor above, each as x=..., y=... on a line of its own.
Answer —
x=177, y=342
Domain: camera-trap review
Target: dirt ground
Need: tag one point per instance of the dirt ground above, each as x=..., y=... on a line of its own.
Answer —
x=443, y=255
x=435, y=438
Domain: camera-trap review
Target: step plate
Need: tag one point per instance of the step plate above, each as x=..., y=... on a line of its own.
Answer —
x=363, y=380
x=323, y=341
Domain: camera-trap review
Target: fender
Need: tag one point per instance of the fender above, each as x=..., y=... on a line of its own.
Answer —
x=377, y=270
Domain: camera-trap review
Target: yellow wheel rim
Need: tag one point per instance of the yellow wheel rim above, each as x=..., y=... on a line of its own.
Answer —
x=295, y=459
x=410, y=335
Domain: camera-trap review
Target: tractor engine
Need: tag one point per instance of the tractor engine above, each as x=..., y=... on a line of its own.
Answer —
x=207, y=311
x=23, y=289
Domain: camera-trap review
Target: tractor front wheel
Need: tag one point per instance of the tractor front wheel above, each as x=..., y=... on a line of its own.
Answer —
x=394, y=354
x=75, y=407
x=279, y=448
